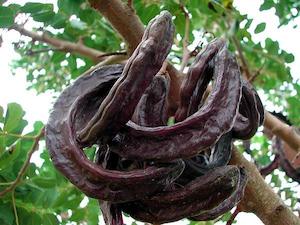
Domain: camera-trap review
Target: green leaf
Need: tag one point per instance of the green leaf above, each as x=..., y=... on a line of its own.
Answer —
x=260, y=28
x=57, y=57
x=69, y=7
x=6, y=17
x=58, y=21
x=272, y=46
x=6, y=214
x=89, y=16
x=15, y=8
x=92, y=211
x=44, y=182
x=8, y=157
x=1, y=115
x=39, y=11
x=49, y=219
x=14, y=122
x=267, y=4
x=289, y=58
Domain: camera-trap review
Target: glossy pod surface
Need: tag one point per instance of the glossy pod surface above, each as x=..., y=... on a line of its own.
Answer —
x=154, y=172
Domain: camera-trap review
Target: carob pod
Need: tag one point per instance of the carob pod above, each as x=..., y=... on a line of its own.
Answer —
x=184, y=203
x=197, y=132
x=284, y=162
x=228, y=203
x=68, y=157
x=197, y=79
x=145, y=62
x=152, y=108
x=135, y=164
x=251, y=113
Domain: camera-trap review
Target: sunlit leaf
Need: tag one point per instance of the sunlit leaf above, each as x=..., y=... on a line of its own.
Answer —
x=6, y=17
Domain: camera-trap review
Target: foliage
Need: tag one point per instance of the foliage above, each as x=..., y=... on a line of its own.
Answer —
x=43, y=196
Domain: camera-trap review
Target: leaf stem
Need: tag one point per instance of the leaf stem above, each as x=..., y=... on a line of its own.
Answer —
x=25, y=165
x=4, y=133
x=14, y=206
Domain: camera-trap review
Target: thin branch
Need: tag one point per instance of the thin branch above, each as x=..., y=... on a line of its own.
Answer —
x=233, y=216
x=254, y=76
x=241, y=56
x=4, y=133
x=264, y=171
x=112, y=53
x=14, y=206
x=25, y=165
x=287, y=133
x=185, y=41
x=63, y=45
x=130, y=4
x=34, y=52
x=113, y=59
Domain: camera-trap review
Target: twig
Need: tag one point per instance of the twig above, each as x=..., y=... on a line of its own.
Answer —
x=130, y=4
x=241, y=56
x=4, y=133
x=25, y=165
x=63, y=45
x=287, y=133
x=33, y=52
x=254, y=76
x=233, y=216
x=112, y=60
x=112, y=53
x=163, y=68
x=185, y=40
x=14, y=206
x=264, y=171
x=196, y=49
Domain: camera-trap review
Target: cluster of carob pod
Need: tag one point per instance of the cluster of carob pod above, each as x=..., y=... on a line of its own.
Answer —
x=154, y=172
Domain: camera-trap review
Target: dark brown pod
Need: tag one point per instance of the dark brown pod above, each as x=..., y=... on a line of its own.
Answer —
x=227, y=204
x=189, y=200
x=152, y=108
x=147, y=59
x=251, y=113
x=68, y=157
x=196, y=133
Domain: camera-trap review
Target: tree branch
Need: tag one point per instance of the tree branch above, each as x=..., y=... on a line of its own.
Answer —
x=260, y=199
x=123, y=19
x=25, y=165
x=266, y=170
x=185, y=40
x=245, y=66
x=287, y=133
x=233, y=216
x=112, y=53
x=63, y=45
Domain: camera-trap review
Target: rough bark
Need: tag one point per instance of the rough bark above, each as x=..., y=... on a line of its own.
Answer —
x=260, y=199
x=282, y=130
x=120, y=15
